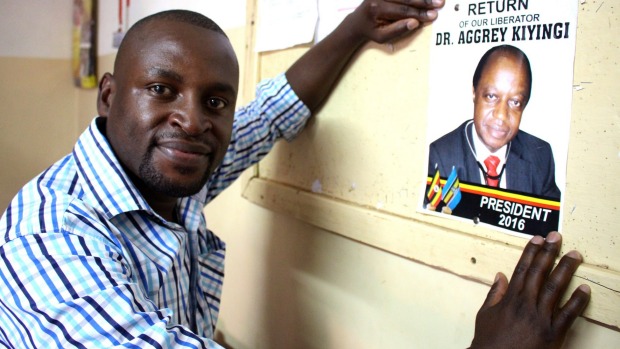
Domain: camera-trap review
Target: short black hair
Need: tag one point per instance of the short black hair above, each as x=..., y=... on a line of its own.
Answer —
x=509, y=51
x=183, y=16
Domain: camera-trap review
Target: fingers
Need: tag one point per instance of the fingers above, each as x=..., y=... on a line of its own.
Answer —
x=542, y=264
x=534, y=279
x=392, y=30
x=573, y=308
x=420, y=4
x=497, y=291
x=558, y=281
x=421, y=10
x=525, y=312
x=529, y=253
x=534, y=265
x=384, y=20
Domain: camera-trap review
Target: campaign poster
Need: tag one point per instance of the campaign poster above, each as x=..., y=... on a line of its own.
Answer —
x=500, y=94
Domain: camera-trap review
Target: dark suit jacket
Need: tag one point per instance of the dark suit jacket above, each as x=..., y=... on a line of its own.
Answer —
x=530, y=167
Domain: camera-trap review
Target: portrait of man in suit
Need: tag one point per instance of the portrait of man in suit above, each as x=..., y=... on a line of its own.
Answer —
x=490, y=149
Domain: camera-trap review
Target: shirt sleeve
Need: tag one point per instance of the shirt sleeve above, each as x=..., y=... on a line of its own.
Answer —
x=277, y=112
x=62, y=290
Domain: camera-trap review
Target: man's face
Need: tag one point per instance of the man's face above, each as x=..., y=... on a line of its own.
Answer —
x=170, y=107
x=499, y=100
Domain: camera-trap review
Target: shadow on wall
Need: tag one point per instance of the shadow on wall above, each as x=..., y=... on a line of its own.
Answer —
x=294, y=268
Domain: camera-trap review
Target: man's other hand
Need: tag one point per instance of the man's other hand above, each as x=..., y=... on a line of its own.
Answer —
x=385, y=20
x=526, y=313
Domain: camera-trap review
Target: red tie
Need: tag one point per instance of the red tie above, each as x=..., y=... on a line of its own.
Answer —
x=491, y=163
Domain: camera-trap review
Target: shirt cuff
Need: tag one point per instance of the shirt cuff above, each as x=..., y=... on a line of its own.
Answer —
x=289, y=114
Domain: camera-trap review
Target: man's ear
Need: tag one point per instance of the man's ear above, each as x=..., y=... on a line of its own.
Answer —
x=107, y=90
x=473, y=94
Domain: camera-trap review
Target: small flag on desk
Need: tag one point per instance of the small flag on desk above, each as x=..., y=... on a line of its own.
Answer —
x=434, y=192
x=451, y=192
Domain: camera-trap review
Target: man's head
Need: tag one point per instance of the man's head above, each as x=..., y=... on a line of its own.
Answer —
x=170, y=103
x=502, y=85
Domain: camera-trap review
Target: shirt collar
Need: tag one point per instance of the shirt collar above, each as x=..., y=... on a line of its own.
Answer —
x=105, y=183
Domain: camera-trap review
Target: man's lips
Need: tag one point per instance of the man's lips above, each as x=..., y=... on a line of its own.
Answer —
x=497, y=131
x=184, y=152
x=185, y=146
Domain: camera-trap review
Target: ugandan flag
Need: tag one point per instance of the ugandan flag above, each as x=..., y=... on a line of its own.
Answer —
x=434, y=191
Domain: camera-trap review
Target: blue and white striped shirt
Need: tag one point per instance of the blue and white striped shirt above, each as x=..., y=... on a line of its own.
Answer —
x=86, y=263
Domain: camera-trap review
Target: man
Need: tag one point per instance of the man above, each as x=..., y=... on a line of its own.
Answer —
x=490, y=149
x=109, y=246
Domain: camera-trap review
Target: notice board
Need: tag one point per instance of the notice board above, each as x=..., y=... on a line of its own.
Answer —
x=355, y=170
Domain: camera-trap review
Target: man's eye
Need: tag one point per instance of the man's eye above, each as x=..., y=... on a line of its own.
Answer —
x=516, y=103
x=159, y=89
x=216, y=103
x=491, y=96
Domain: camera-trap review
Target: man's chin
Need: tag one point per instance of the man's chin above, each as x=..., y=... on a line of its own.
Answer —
x=493, y=145
x=493, y=142
x=178, y=185
x=177, y=190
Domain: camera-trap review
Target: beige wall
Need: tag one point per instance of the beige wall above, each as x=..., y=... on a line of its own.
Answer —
x=42, y=116
x=37, y=127
x=289, y=285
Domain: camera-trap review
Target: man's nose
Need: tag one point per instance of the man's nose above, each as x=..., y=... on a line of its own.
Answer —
x=191, y=116
x=500, y=111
